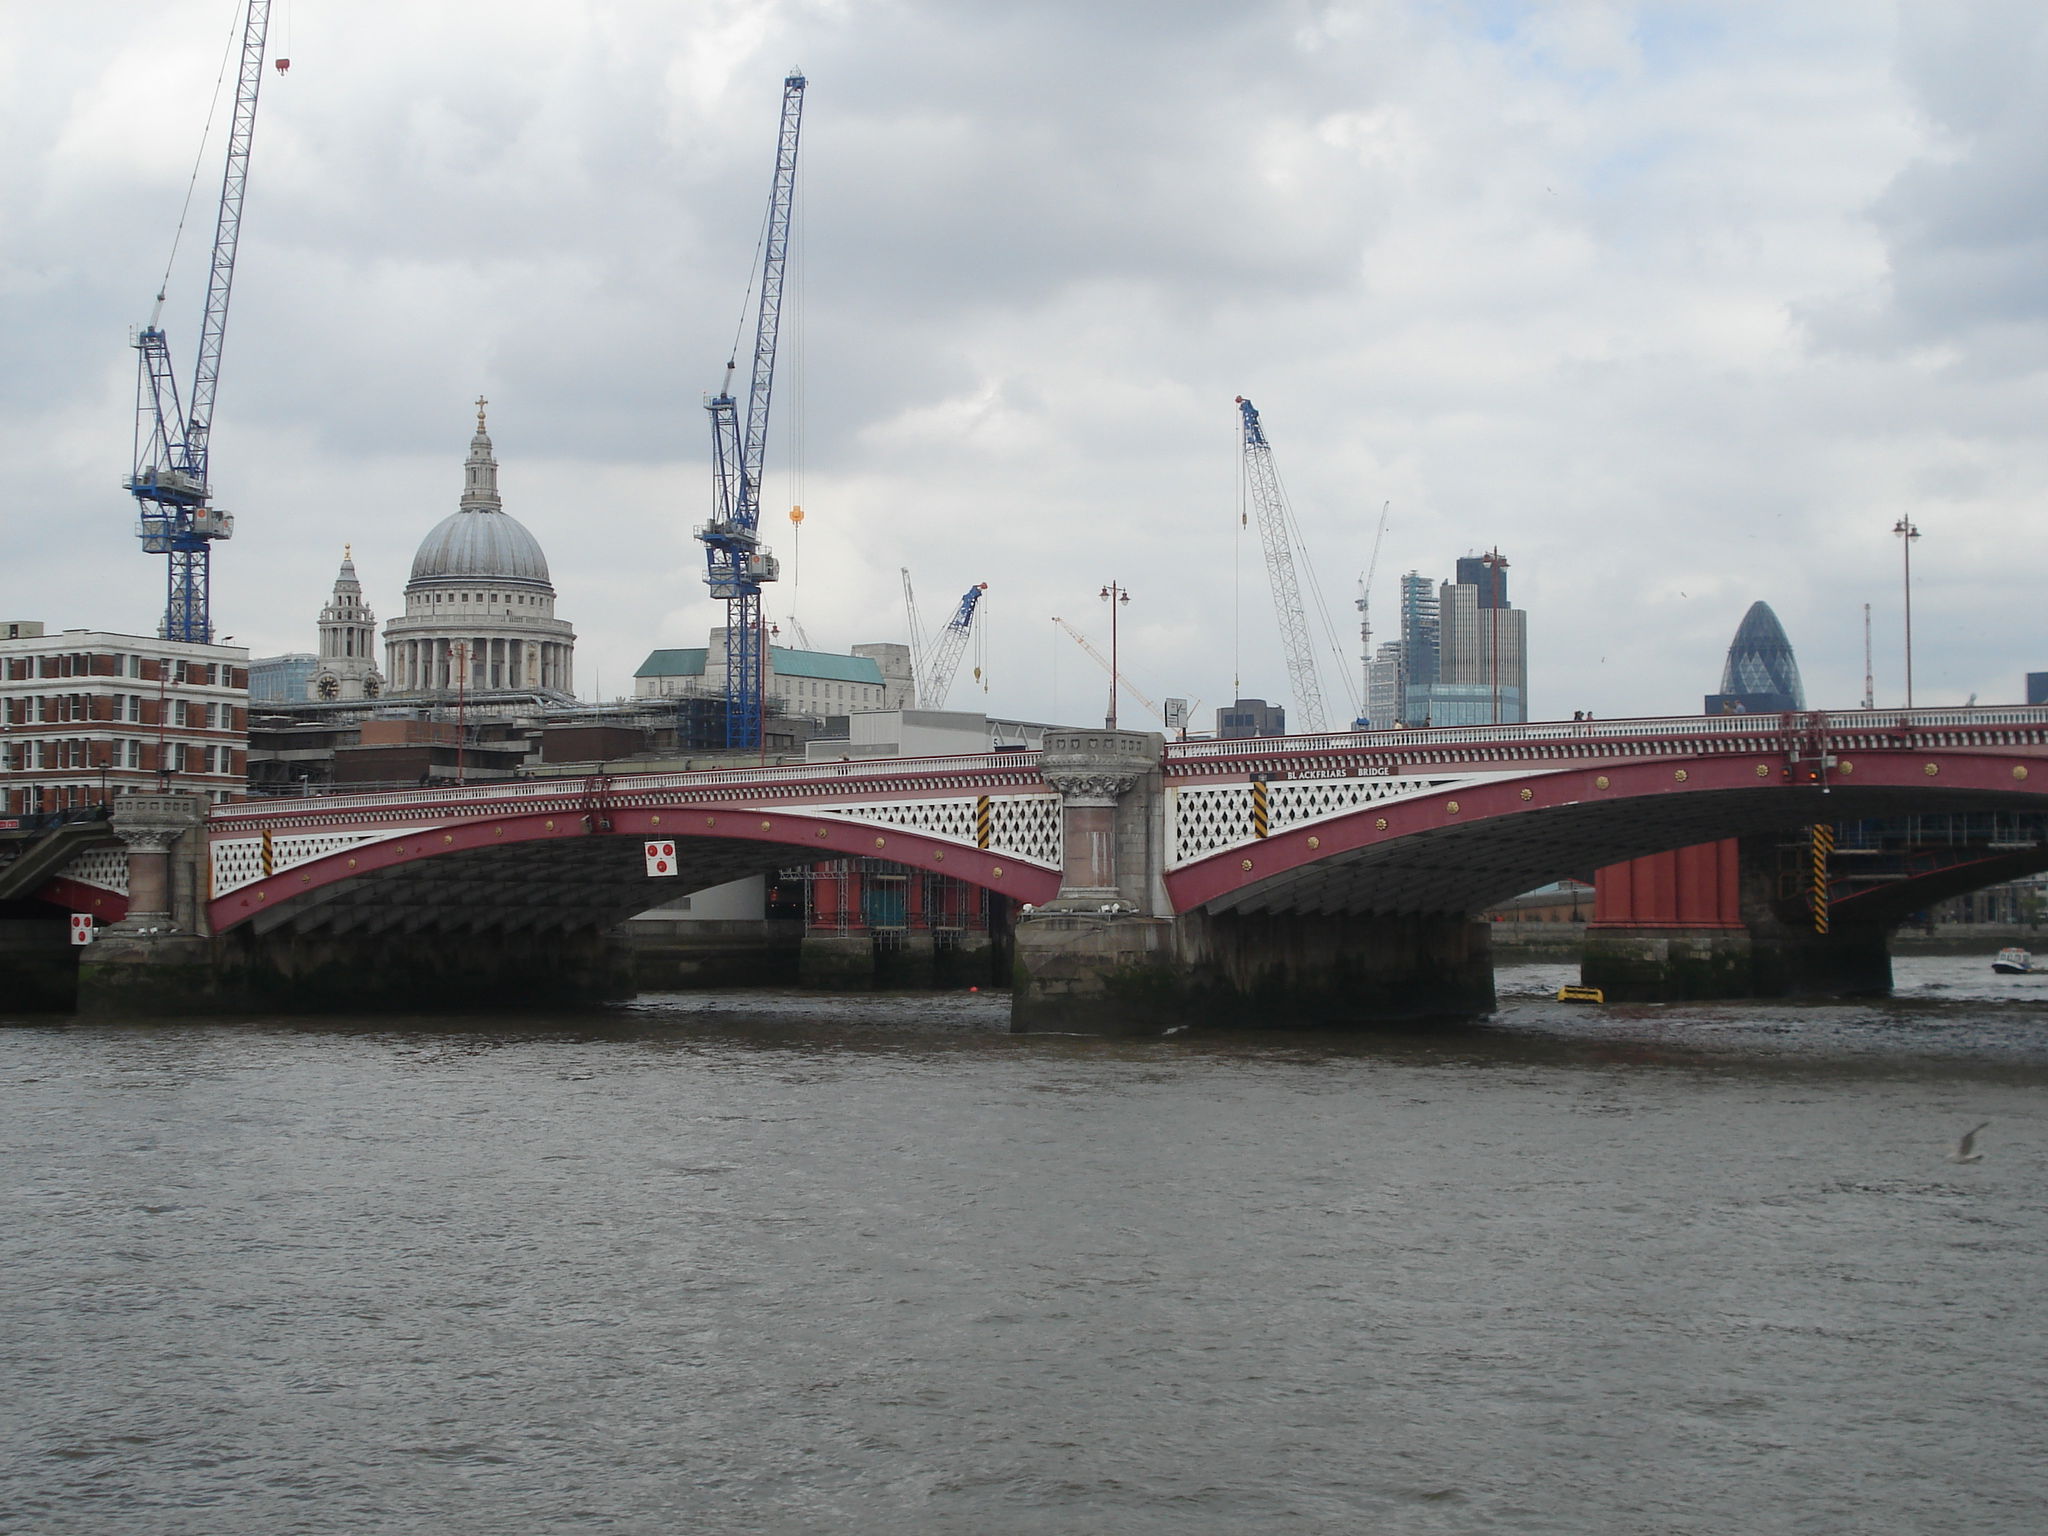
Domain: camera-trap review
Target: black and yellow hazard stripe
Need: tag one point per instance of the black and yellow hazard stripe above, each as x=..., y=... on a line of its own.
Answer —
x=269, y=860
x=1823, y=846
x=984, y=821
x=1260, y=818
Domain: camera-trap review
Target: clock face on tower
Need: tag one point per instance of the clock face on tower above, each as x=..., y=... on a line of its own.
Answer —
x=327, y=686
x=373, y=685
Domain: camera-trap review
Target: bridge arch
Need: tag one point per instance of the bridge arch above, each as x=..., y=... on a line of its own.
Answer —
x=556, y=869
x=1465, y=847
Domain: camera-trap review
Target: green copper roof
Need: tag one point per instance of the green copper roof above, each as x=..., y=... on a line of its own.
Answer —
x=825, y=666
x=688, y=662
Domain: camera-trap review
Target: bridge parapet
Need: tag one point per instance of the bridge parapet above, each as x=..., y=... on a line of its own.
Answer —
x=1593, y=741
x=787, y=779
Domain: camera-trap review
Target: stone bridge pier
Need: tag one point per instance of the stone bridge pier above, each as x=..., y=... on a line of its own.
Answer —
x=1109, y=955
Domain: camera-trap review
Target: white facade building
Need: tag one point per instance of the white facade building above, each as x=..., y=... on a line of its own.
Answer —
x=479, y=608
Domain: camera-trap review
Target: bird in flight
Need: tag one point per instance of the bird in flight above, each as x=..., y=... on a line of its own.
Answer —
x=1966, y=1149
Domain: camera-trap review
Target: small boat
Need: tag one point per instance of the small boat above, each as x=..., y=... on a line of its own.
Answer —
x=2013, y=962
x=1581, y=995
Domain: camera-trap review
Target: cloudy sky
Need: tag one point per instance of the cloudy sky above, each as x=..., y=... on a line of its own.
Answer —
x=1679, y=305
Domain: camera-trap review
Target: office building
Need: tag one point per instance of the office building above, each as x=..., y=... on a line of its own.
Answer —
x=1761, y=675
x=87, y=715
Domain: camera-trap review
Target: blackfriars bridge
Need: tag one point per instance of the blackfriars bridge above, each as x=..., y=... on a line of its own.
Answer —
x=1310, y=879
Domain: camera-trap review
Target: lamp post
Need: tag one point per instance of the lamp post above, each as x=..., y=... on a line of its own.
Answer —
x=459, y=654
x=163, y=717
x=1116, y=597
x=1907, y=534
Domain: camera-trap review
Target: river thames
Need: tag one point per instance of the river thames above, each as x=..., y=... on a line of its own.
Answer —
x=774, y=1263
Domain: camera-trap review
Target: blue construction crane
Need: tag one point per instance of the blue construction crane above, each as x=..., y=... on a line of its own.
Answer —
x=170, y=483
x=943, y=659
x=735, y=563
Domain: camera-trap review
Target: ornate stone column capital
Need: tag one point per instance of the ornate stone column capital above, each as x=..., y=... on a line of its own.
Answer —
x=156, y=821
x=1084, y=787
x=147, y=839
x=1097, y=767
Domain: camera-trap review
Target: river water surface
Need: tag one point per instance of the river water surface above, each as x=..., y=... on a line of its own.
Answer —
x=762, y=1263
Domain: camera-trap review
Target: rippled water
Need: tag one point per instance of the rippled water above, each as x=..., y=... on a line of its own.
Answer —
x=735, y=1263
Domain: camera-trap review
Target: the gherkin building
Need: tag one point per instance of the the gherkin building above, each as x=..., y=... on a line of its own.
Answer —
x=1762, y=675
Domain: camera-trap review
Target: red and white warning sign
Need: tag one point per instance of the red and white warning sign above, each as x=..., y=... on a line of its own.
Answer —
x=661, y=858
x=81, y=928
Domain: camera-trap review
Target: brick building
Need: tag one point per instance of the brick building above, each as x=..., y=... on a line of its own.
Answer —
x=86, y=715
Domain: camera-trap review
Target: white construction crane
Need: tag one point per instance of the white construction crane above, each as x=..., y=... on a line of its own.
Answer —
x=1270, y=501
x=1102, y=661
x=1365, y=611
x=916, y=639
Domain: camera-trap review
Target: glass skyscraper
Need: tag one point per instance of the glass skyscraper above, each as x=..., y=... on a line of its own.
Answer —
x=1761, y=675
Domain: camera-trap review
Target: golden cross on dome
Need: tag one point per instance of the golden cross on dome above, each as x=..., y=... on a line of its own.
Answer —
x=481, y=402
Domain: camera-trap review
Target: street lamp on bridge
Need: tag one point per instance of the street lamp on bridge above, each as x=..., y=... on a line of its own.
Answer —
x=1116, y=597
x=1907, y=534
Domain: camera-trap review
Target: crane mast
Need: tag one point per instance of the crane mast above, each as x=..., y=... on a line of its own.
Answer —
x=1263, y=484
x=736, y=564
x=917, y=683
x=171, y=480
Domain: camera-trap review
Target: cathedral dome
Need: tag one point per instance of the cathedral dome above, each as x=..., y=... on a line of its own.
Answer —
x=480, y=546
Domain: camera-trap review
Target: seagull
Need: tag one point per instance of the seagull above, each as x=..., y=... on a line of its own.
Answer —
x=1966, y=1149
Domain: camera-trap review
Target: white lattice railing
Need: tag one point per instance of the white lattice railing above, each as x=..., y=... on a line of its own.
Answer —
x=1593, y=732
x=521, y=791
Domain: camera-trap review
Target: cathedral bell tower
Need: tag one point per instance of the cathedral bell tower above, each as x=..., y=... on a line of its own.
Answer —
x=348, y=638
